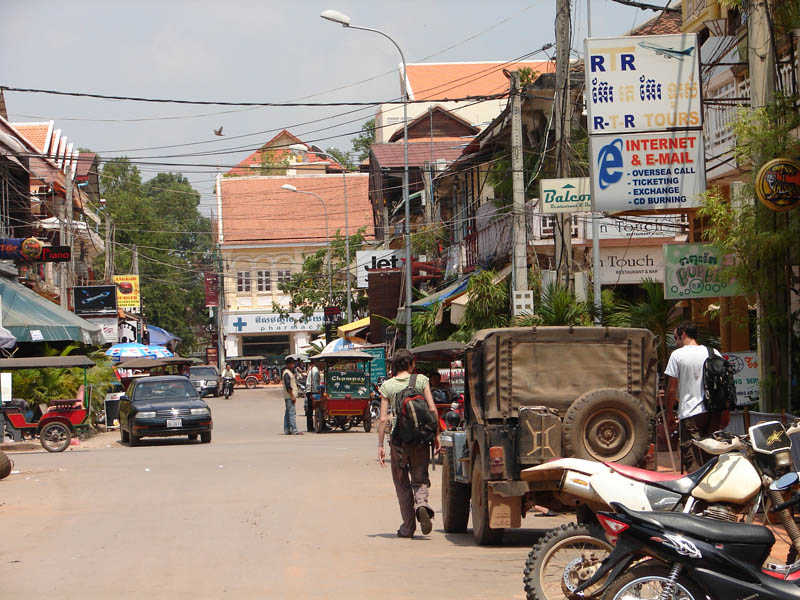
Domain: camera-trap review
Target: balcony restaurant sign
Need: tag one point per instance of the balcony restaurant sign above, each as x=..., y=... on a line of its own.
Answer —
x=697, y=271
x=565, y=195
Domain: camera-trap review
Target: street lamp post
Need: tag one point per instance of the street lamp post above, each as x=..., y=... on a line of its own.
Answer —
x=291, y=188
x=343, y=20
x=304, y=148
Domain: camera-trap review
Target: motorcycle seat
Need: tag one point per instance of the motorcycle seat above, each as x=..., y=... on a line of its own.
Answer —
x=673, y=482
x=642, y=474
x=710, y=530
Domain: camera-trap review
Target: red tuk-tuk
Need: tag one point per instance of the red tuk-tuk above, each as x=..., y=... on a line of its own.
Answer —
x=56, y=422
x=246, y=369
x=441, y=356
x=344, y=398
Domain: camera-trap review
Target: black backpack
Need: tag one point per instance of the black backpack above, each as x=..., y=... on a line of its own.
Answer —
x=415, y=425
x=719, y=388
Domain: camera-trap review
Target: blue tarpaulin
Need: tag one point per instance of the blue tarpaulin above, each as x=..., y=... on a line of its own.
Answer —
x=160, y=337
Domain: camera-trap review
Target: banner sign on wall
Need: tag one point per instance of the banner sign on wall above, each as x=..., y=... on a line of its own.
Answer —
x=367, y=261
x=108, y=326
x=128, y=295
x=696, y=271
x=650, y=171
x=565, y=195
x=95, y=299
x=631, y=264
x=637, y=228
x=745, y=376
x=212, y=289
x=643, y=83
x=128, y=330
x=272, y=322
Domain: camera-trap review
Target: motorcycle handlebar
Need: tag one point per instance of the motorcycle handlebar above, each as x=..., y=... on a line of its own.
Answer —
x=716, y=447
x=788, y=504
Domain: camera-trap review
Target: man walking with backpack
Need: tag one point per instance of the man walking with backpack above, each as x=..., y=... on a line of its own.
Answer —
x=685, y=370
x=414, y=430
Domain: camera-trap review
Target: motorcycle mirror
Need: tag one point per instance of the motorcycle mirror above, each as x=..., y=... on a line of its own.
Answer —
x=784, y=483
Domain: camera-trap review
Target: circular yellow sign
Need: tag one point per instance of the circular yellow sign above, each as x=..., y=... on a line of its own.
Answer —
x=778, y=184
x=31, y=248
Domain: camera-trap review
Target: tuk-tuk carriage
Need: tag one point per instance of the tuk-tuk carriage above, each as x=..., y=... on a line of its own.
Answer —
x=439, y=357
x=345, y=394
x=246, y=369
x=56, y=422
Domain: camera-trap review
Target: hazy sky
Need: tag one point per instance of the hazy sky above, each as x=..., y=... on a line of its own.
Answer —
x=256, y=51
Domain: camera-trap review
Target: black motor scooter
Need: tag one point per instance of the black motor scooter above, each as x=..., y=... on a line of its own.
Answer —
x=691, y=557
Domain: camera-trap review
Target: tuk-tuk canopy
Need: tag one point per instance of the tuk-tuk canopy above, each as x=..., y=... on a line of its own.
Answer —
x=181, y=360
x=46, y=362
x=143, y=363
x=343, y=355
x=241, y=358
x=446, y=350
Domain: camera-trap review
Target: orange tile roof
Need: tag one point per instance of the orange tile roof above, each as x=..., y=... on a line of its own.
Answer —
x=455, y=80
x=662, y=24
x=35, y=133
x=246, y=167
x=255, y=210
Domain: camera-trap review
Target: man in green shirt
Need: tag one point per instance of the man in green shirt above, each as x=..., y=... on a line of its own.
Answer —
x=409, y=463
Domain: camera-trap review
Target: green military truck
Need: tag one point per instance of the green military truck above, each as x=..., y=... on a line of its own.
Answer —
x=534, y=394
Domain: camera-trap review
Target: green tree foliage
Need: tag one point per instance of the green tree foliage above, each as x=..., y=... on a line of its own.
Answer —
x=658, y=315
x=428, y=240
x=343, y=158
x=308, y=289
x=364, y=140
x=487, y=306
x=273, y=162
x=161, y=217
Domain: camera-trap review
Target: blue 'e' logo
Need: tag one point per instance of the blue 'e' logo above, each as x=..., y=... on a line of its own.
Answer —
x=609, y=163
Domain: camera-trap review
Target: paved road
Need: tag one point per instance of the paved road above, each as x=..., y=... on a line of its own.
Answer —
x=254, y=514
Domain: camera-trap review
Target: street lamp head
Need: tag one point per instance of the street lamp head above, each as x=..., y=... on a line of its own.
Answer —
x=298, y=147
x=289, y=187
x=336, y=17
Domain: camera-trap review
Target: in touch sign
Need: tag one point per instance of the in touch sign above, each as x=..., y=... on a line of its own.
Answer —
x=565, y=195
x=643, y=83
x=647, y=171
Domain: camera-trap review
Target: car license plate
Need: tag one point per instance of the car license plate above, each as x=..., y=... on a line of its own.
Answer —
x=174, y=422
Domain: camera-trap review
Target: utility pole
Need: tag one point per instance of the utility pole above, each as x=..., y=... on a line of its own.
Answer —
x=519, y=232
x=66, y=208
x=107, y=269
x=773, y=348
x=220, y=306
x=597, y=295
x=135, y=261
x=562, y=235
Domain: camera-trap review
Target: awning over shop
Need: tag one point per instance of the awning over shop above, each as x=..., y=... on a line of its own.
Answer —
x=6, y=339
x=31, y=318
x=451, y=290
x=353, y=329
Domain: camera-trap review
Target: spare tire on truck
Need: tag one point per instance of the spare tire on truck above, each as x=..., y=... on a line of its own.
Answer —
x=606, y=425
x=6, y=464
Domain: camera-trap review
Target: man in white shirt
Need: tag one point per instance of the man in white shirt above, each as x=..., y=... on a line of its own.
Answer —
x=685, y=386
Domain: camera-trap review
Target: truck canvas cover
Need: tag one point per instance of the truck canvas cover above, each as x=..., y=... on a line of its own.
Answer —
x=552, y=366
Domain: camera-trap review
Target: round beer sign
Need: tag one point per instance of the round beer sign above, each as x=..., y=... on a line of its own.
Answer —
x=778, y=184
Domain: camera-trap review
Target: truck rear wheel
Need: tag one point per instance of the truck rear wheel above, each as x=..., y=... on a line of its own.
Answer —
x=606, y=425
x=484, y=535
x=455, y=496
x=6, y=465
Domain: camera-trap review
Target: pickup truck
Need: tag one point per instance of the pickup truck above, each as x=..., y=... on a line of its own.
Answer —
x=535, y=394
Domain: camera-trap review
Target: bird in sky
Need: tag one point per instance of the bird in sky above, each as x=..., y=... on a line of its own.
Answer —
x=218, y=131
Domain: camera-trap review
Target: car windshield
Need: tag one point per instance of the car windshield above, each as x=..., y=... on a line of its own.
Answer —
x=203, y=372
x=164, y=390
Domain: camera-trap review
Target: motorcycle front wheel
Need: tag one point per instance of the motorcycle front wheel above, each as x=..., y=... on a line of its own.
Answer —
x=564, y=558
x=647, y=580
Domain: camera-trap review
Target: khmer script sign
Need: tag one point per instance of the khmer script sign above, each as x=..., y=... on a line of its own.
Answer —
x=697, y=271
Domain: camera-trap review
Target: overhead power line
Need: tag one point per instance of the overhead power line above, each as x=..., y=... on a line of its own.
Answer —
x=223, y=103
x=645, y=6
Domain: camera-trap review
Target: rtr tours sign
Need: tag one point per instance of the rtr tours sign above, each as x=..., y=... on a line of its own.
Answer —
x=643, y=83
